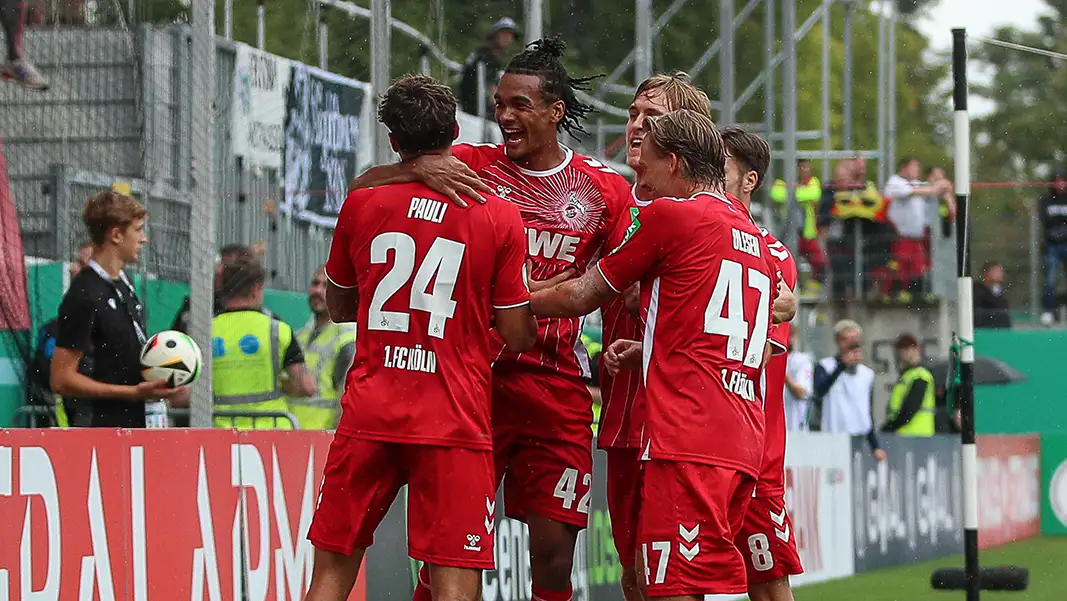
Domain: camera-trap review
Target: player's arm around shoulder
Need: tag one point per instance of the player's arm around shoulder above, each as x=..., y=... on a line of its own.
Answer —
x=446, y=174
x=514, y=318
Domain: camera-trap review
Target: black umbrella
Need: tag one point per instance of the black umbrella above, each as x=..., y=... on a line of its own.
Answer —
x=987, y=370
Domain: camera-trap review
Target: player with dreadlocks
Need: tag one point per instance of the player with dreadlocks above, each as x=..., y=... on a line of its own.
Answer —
x=542, y=410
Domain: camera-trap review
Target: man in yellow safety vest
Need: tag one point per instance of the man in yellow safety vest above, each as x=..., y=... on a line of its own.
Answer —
x=912, y=403
x=328, y=352
x=256, y=361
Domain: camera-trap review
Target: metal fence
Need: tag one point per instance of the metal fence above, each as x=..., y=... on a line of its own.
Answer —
x=87, y=133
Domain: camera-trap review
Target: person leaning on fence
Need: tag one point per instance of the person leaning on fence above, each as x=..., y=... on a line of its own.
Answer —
x=911, y=211
x=329, y=349
x=853, y=210
x=256, y=361
x=913, y=400
x=809, y=194
x=844, y=389
x=101, y=327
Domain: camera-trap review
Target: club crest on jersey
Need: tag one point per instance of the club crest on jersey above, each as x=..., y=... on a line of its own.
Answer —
x=574, y=209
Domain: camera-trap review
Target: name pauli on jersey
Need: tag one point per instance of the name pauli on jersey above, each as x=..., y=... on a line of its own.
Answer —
x=411, y=359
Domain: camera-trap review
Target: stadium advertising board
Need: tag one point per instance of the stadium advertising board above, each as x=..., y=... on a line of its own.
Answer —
x=1009, y=483
x=818, y=496
x=260, y=81
x=323, y=125
x=907, y=508
x=1054, y=475
x=132, y=515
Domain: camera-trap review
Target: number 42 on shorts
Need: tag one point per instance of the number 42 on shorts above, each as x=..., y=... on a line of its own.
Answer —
x=566, y=489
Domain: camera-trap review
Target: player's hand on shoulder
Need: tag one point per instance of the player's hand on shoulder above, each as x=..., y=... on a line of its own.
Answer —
x=622, y=354
x=450, y=176
x=538, y=285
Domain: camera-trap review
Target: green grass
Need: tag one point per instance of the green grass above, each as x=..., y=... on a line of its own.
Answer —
x=1045, y=557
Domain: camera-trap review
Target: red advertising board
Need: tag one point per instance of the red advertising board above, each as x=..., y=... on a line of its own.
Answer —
x=119, y=515
x=1009, y=489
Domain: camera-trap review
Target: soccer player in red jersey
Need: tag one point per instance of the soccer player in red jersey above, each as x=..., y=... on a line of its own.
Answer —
x=623, y=412
x=570, y=204
x=766, y=540
x=422, y=279
x=707, y=290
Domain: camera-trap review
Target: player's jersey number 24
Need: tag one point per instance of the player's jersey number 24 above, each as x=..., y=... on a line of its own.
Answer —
x=440, y=265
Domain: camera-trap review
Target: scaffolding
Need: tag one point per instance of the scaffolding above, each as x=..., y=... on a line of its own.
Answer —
x=782, y=28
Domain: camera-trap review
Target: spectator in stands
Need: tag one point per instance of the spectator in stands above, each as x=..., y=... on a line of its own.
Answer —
x=990, y=305
x=853, y=211
x=809, y=194
x=912, y=402
x=911, y=213
x=96, y=364
x=843, y=389
x=227, y=255
x=497, y=43
x=1053, y=209
x=329, y=349
x=799, y=381
x=40, y=368
x=18, y=68
x=256, y=360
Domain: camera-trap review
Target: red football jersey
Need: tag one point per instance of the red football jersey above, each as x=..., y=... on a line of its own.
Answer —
x=622, y=412
x=772, y=476
x=707, y=285
x=568, y=213
x=429, y=275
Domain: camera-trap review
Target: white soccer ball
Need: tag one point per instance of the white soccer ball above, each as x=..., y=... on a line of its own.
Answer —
x=172, y=356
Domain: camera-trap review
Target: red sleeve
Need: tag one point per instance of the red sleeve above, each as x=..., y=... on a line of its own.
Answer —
x=622, y=199
x=340, y=268
x=779, y=333
x=475, y=156
x=510, y=287
x=640, y=249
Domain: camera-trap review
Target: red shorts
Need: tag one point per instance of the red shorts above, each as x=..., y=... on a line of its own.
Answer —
x=543, y=443
x=767, y=541
x=690, y=518
x=451, y=500
x=911, y=257
x=624, y=500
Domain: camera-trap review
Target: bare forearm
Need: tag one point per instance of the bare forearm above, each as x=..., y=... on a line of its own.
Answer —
x=573, y=298
x=79, y=385
x=798, y=391
x=384, y=175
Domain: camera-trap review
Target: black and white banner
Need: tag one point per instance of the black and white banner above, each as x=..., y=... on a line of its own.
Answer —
x=907, y=508
x=258, y=113
x=323, y=127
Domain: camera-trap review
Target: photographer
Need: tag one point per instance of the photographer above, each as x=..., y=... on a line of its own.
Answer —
x=101, y=325
x=844, y=389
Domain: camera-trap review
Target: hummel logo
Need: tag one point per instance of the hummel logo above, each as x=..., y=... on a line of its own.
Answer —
x=490, y=521
x=782, y=534
x=779, y=520
x=689, y=536
x=472, y=543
